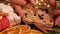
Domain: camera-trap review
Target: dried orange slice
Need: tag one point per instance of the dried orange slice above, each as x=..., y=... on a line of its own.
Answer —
x=7, y=30
x=24, y=28
x=16, y=29
x=11, y=30
x=34, y=32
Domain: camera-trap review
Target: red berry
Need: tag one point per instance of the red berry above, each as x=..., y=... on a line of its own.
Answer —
x=4, y=23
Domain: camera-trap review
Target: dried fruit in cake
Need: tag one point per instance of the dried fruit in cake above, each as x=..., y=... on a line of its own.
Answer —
x=38, y=16
x=44, y=19
x=28, y=16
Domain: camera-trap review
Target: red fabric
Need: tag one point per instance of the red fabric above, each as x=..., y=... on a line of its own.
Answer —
x=4, y=23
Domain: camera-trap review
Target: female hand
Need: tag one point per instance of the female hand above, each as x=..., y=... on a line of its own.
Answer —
x=18, y=3
x=22, y=2
x=57, y=21
x=56, y=12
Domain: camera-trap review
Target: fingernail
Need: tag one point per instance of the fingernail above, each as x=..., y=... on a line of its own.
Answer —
x=33, y=2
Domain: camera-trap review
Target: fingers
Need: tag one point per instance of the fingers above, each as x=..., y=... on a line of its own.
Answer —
x=20, y=2
x=52, y=2
x=19, y=10
x=33, y=2
x=3, y=14
x=57, y=20
x=56, y=12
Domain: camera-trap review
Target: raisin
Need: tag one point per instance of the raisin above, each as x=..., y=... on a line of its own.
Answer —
x=44, y=21
x=46, y=11
x=34, y=14
x=25, y=14
x=39, y=15
x=42, y=15
x=41, y=18
x=50, y=20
